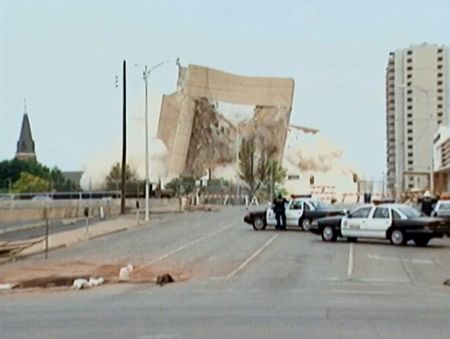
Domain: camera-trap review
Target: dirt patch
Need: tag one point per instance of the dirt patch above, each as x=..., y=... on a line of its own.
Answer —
x=47, y=282
x=64, y=274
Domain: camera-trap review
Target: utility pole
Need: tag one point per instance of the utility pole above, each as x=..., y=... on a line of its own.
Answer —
x=147, y=181
x=124, y=138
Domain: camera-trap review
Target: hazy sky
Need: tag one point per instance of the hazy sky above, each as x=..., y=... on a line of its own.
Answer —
x=64, y=55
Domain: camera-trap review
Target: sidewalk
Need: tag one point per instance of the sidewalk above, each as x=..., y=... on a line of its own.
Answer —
x=65, y=239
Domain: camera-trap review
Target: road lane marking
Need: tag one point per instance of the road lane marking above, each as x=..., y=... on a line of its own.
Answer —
x=408, y=274
x=189, y=244
x=361, y=292
x=412, y=260
x=250, y=258
x=350, y=262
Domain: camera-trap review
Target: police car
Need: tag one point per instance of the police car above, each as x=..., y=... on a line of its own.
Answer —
x=442, y=209
x=395, y=222
x=300, y=212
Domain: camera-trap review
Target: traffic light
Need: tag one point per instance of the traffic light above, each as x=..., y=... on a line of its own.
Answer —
x=355, y=177
x=311, y=180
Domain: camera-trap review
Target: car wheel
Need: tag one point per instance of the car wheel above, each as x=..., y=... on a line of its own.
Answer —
x=329, y=234
x=259, y=224
x=306, y=224
x=398, y=237
x=422, y=241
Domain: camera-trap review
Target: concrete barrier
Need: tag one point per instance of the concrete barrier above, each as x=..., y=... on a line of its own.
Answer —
x=70, y=209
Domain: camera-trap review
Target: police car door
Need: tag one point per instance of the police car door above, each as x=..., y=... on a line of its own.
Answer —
x=294, y=212
x=270, y=216
x=355, y=224
x=379, y=222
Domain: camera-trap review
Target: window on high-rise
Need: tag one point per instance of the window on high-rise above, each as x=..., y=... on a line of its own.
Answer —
x=410, y=131
x=409, y=76
x=409, y=52
x=439, y=75
x=439, y=90
x=409, y=68
x=410, y=107
x=439, y=66
x=409, y=91
x=440, y=58
x=409, y=83
x=409, y=60
x=440, y=50
x=409, y=100
x=439, y=82
x=439, y=106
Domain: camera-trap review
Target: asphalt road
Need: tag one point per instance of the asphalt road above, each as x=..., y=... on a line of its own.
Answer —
x=243, y=283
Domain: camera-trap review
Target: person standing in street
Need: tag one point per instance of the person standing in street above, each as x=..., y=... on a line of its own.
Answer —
x=427, y=203
x=280, y=212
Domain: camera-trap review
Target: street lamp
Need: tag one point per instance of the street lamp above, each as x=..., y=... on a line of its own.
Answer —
x=145, y=74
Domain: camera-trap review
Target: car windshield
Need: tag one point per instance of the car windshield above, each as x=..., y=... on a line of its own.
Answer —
x=444, y=206
x=410, y=212
x=320, y=205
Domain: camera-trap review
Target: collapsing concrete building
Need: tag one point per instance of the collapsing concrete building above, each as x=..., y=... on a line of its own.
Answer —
x=200, y=134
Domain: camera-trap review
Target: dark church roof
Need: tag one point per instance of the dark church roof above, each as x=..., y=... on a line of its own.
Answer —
x=25, y=145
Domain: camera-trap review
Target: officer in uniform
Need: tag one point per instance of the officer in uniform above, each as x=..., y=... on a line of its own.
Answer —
x=280, y=213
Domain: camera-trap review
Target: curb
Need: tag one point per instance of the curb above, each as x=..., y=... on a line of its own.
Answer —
x=23, y=228
x=42, y=251
x=109, y=233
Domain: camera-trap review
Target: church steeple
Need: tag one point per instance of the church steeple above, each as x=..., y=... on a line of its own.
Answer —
x=25, y=145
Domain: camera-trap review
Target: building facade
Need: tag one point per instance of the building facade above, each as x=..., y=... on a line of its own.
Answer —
x=417, y=103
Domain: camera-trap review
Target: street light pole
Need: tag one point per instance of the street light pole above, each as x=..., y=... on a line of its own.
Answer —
x=147, y=183
x=146, y=75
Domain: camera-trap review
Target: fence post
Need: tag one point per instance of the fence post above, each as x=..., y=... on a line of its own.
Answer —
x=46, y=230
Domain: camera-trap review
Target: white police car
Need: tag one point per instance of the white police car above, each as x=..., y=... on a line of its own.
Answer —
x=395, y=222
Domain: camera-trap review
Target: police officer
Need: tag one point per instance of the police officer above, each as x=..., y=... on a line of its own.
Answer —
x=280, y=213
x=427, y=203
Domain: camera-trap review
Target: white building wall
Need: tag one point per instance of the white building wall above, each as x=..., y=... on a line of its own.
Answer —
x=421, y=98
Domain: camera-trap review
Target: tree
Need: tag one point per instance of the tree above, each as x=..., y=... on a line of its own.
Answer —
x=257, y=167
x=114, y=178
x=181, y=185
x=10, y=172
x=30, y=183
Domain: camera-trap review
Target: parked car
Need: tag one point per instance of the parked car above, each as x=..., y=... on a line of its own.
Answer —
x=300, y=212
x=395, y=222
x=442, y=209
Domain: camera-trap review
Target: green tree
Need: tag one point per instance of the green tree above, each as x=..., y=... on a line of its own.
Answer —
x=114, y=177
x=10, y=172
x=30, y=183
x=257, y=167
x=181, y=185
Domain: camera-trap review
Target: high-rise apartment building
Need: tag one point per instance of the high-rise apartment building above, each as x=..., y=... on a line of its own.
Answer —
x=417, y=102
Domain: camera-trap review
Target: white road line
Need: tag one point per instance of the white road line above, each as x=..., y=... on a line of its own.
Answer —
x=253, y=256
x=189, y=244
x=350, y=262
x=396, y=259
x=361, y=292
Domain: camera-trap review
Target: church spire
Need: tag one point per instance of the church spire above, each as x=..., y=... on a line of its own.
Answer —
x=25, y=145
